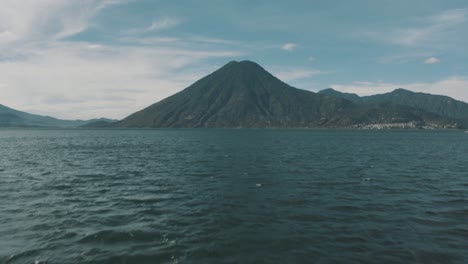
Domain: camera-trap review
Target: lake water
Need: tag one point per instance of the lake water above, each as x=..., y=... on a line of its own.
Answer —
x=233, y=196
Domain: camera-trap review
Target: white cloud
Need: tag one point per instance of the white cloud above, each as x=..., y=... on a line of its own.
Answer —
x=67, y=80
x=149, y=40
x=158, y=25
x=37, y=21
x=404, y=57
x=411, y=36
x=208, y=40
x=289, y=47
x=44, y=73
x=451, y=17
x=432, y=60
x=164, y=23
x=436, y=31
x=298, y=77
x=294, y=74
x=455, y=87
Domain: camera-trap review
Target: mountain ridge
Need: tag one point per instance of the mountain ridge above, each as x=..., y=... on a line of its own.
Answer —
x=438, y=104
x=10, y=117
x=243, y=94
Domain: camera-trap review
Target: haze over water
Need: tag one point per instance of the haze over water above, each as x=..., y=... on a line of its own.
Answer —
x=233, y=196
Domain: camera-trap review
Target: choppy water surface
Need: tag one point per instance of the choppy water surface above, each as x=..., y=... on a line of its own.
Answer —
x=233, y=196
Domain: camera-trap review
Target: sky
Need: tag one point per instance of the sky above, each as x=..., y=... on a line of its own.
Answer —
x=82, y=59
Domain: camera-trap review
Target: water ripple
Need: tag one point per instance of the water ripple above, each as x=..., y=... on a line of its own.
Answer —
x=233, y=196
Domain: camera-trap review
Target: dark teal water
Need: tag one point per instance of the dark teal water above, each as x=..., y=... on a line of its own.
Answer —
x=233, y=196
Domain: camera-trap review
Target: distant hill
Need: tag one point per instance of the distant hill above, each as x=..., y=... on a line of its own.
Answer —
x=100, y=123
x=348, y=96
x=437, y=104
x=13, y=118
x=8, y=119
x=243, y=94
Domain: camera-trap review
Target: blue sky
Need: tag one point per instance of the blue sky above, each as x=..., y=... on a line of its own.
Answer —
x=93, y=58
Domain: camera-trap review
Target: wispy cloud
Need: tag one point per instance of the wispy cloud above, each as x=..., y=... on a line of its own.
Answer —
x=296, y=74
x=164, y=23
x=289, y=47
x=143, y=75
x=209, y=40
x=428, y=31
x=450, y=17
x=404, y=57
x=30, y=20
x=45, y=73
x=454, y=87
x=158, y=25
x=148, y=40
x=431, y=60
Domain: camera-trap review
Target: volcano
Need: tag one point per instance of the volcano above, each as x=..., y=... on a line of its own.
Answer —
x=242, y=94
x=245, y=95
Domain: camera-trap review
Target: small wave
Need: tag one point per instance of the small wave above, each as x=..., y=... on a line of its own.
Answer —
x=160, y=257
x=92, y=175
x=455, y=213
x=62, y=186
x=200, y=174
x=46, y=173
x=458, y=231
x=25, y=255
x=294, y=202
x=434, y=256
x=309, y=218
x=345, y=208
x=349, y=239
x=427, y=221
x=115, y=237
x=452, y=202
